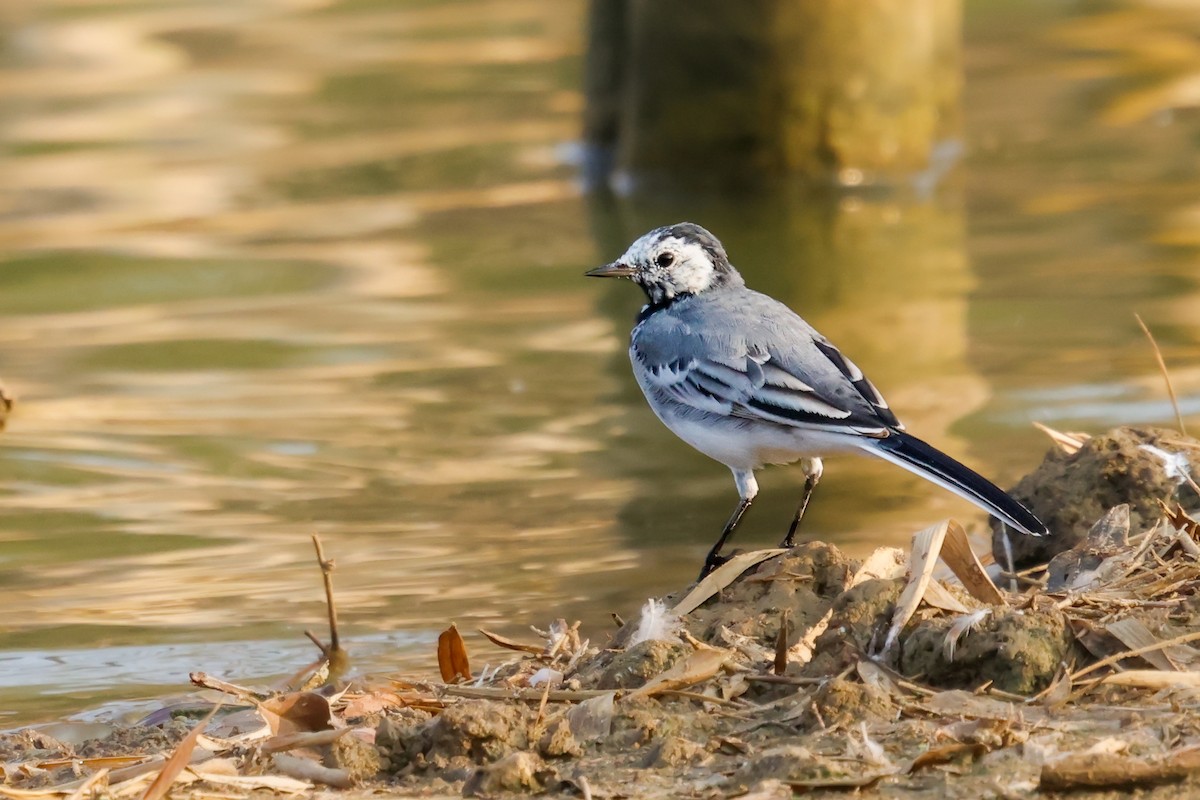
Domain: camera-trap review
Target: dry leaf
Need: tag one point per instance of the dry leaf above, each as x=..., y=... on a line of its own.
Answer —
x=721, y=577
x=176, y=762
x=938, y=596
x=966, y=705
x=30, y=794
x=452, y=656
x=509, y=644
x=842, y=782
x=1135, y=635
x=591, y=720
x=926, y=546
x=296, y=712
x=1154, y=679
x=275, y=783
x=292, y=741
x=93, y=786
x=98, y=762
x=962, y=561
x=376, y=700
x=803, y=650
x=1180, y=520
x=888, y=563
x=699, y=666
x=1113, y=659
x=305, y=770
x=781, y=648
x=1058, y=692
x=1069, y=442
x=945, y=754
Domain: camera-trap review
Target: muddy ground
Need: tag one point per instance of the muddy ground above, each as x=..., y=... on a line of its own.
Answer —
x=787, y=672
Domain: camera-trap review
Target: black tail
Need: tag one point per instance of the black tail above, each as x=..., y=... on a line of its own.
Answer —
x=933, y=465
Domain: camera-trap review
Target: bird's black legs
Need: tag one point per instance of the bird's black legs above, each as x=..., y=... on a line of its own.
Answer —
x=715, y=559
x=812, y=470
x=747, y=489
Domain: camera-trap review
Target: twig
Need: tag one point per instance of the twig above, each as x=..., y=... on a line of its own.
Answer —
x=542, y=705
x=327, y=576
x=1115, y=657
x=206, y=681
x=1095, y=771
x=305, y=770
x=786, y=680
x=530, y=695
x=94, y=785
x=312, y=637
x=1162, y=365
x=704, y=698
x=291, y=741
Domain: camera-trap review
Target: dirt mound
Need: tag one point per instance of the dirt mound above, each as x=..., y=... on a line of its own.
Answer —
x=1076, y=485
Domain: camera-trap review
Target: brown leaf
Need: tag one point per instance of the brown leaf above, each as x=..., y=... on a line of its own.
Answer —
x=721, y=577
x=297, y=712
x=1059, y=691
x=781, y=647
x=377, y=700
x=452, y=656
x=699, y=666
x=509, y=644
x=175, y=764
x=1180, y=520
x=945, y=754
x=962, y=561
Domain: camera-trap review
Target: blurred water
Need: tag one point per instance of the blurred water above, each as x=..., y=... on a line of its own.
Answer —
x=276, y=267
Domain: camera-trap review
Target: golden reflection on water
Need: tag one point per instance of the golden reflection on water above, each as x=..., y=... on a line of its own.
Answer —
x=273, y=268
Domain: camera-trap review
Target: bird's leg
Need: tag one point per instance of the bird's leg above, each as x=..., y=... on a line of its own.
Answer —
x=715, y=559
x=747, y=489
x=812, y=475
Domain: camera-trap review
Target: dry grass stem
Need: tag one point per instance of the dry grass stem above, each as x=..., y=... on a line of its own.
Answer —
x=1162, y=365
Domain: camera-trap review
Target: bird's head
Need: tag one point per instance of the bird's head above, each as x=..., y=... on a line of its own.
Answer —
x=673, y=261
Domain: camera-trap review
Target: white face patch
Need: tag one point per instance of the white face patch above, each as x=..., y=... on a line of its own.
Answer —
x=668, y=266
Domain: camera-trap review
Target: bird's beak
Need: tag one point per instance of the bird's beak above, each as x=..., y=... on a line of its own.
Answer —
x=613, y=270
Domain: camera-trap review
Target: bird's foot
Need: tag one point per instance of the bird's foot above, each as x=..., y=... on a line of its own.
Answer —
x=713, y=562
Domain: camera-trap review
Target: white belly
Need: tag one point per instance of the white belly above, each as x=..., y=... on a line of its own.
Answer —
x=752, y=445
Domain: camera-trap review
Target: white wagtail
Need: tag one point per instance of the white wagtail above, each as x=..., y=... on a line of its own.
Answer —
x=744, y=380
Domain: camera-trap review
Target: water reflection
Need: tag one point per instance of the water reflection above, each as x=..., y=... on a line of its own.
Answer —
x=284, y=267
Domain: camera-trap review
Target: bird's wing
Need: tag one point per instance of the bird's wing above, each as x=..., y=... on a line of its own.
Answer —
x=773, y=369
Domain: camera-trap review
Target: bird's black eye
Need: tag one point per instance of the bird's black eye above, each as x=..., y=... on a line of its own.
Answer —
x=665, y=259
